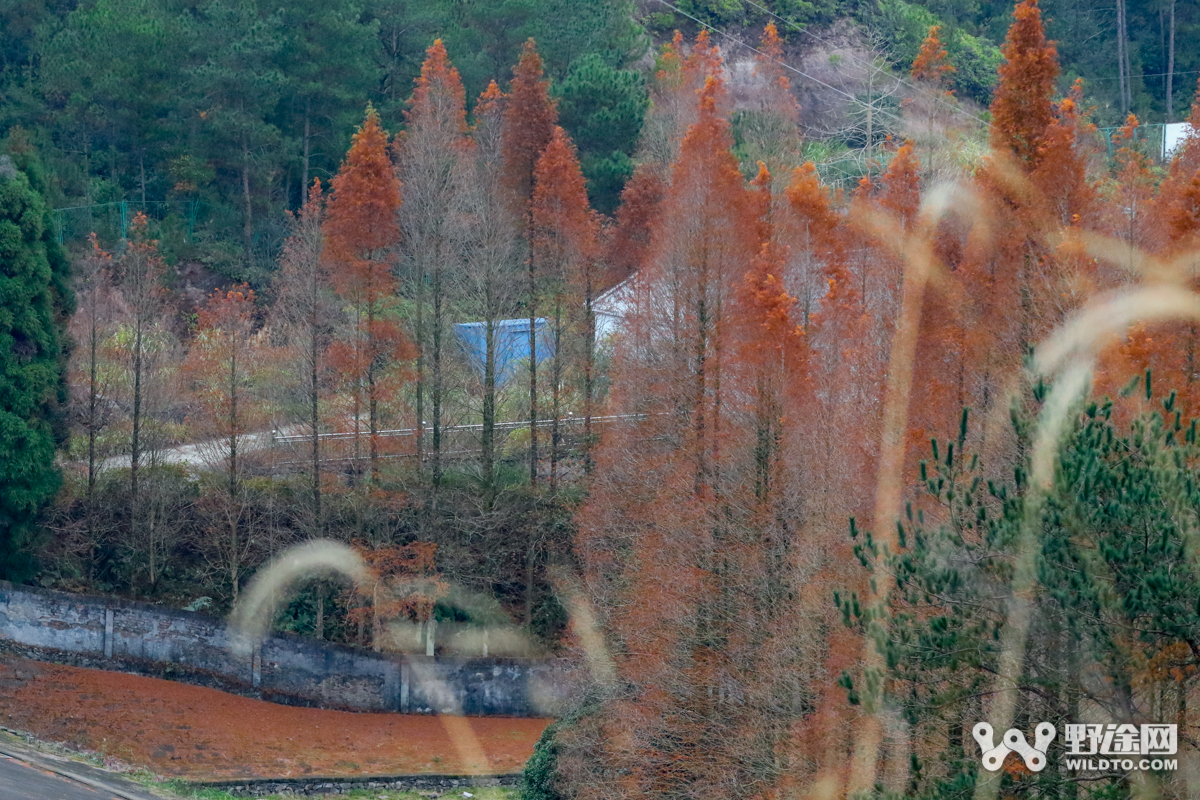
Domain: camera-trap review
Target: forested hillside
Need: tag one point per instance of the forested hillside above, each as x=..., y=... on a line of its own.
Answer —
x=818, y=378
x=1133, y=54
x=214, y=116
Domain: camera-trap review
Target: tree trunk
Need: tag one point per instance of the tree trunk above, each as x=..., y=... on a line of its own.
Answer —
x=420, y=387
x=235, y=547
x=533, y=407
x=375, y=637
x=589, y=363
x=248, y=222
x=715, y=461
x=435, y=389
x=319, y=625
x=555, y=380
x=356, y=469
x=762, y=449
x=307, y=144
x=92, y=419
x=487, y=442
x=372, y=397
x=530, y=549
x=233, y=425
x=699, y=420
x=314, y=422
x=136, y=439
x=235, y=560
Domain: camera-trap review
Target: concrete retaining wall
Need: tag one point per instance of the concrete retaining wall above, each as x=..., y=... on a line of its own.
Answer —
x=283, y=667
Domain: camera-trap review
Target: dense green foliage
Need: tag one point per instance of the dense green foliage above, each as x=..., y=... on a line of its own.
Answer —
x=1085, y=34
x=975, y=59
x=602, y=107
x=538, y=777
x=758, y=13
x=33, y=304
x=1116, y=620
x=213, y=114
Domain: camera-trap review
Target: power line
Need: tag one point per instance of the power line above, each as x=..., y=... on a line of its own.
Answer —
x=957, y=109
x=783, y=64
x=1143, y=75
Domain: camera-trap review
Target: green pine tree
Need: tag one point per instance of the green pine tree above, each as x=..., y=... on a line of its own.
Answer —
x=1116, y=621
x=111, y=77
x=236, y=87
x=602, y=107
x=328, y=63
x=34, y=302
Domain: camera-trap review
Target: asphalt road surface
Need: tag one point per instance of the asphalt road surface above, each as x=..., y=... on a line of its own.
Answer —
x=21, y=781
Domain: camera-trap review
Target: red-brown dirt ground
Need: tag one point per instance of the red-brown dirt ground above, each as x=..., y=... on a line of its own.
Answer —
x=197, y=733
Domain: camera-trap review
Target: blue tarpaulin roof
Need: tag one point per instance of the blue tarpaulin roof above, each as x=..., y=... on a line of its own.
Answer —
x=511, y=343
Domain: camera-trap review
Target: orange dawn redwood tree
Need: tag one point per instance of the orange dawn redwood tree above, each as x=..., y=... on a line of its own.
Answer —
x=530, y=117
x=92, y=327
x=305, y=315
x=931, y=64
x=1021, y=108
x=491, y=234
x=628, y=245
x=771, y=345
x=687, y=533
x=361, y=235
x=430, y=154
x=1168, y=226
x=704, y=242
x=565, y=231
x=1015, y=286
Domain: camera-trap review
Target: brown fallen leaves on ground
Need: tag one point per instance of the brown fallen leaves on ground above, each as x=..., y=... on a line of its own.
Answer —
x=192, y=732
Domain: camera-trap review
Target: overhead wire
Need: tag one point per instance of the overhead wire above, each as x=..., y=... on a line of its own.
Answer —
x=783, y=64
x=1146, y=75
x=794, y=26
x=801, y=29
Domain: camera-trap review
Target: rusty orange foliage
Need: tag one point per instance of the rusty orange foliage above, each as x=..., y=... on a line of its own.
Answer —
x=564, y=227
x=404, y=583
x=439, y=92
x=902, y=186
x=222, y=366
x=629, y=244
x=1067, y=194
x=529, y=119
x=361, y=231
x=1022, y=111
x=361, y=236
x=768, y=65
x=930, y=63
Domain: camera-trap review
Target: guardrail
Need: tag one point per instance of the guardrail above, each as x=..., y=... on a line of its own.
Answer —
x=457, y=440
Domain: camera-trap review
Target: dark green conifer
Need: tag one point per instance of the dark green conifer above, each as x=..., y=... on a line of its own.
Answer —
x=34, y=303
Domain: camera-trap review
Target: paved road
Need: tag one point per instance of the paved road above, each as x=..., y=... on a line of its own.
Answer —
x=20, y=781
x=201, y=454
